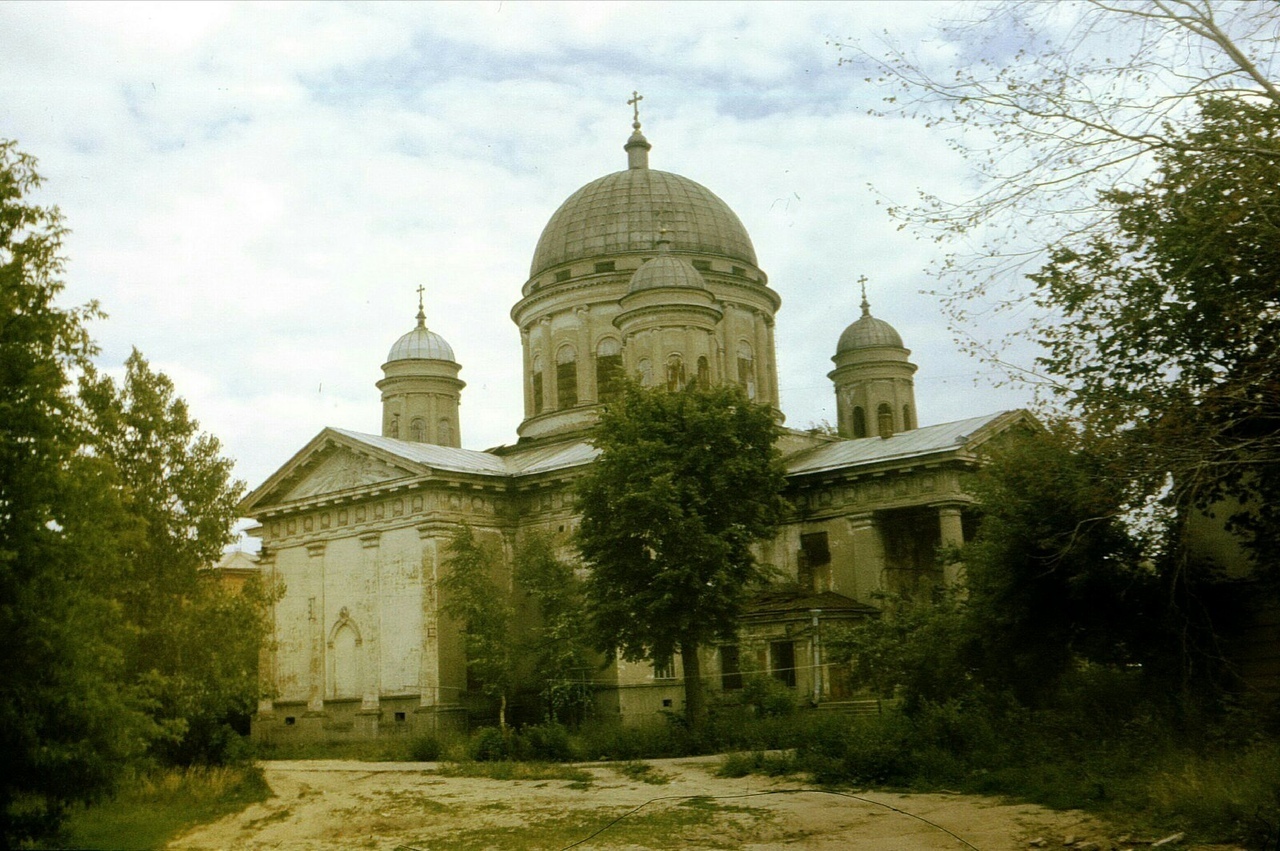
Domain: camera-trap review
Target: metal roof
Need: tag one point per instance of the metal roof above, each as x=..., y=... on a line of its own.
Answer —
x=628, y=211
x=918, y=442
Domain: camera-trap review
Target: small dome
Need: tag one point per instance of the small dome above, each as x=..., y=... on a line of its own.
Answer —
x=421, y=344
x=666, y=271
x=868, y=333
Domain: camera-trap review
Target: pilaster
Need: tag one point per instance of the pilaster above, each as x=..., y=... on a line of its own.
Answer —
x=868, y=557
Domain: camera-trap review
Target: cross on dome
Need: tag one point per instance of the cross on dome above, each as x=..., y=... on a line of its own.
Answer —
x=634, y=103
x=422, y=315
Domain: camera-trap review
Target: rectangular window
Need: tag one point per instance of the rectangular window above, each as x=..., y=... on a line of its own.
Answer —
x=664, y=671
x=562, y=275
x=782, y=662
x=605, y=266
x=815, y=548
x=730, y=668
x=538, y=400
x=702, y=265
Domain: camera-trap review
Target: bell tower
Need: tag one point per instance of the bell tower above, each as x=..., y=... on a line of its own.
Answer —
x=421, y=389
x=873, y=378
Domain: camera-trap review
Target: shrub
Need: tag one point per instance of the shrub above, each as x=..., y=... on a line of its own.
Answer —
x=768, y=697
x=426, y=749
x=544, y=742
x=489, y=744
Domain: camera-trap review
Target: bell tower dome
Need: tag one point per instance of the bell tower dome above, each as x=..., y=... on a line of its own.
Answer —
x=874, y=384
x=421, y=389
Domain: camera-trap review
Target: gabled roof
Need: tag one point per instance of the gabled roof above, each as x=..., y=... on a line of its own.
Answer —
x=948, y=438
x=429, y=454
x=389, y=461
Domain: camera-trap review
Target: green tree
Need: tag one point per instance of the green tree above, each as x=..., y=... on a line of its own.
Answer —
x=558, y=647
x=685, y=483
x=193, y=652
x=67, y=726
x=1171, y=332
x=1058, y=572
x=483, y=608
x=1049, y=104
x=1057, y=575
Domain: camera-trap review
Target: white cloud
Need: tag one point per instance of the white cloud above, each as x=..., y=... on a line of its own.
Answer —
x=255, y=191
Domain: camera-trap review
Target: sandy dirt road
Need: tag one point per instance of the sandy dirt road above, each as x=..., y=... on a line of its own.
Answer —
x=414, y=807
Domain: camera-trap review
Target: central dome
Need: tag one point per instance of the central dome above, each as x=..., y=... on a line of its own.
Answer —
x=626, y=211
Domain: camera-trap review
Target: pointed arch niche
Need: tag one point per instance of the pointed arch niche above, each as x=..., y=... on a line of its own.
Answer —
x=346, y=658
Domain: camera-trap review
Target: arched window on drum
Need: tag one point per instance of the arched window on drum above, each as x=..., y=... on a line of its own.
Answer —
x=566, y=377
x=539, y=395
x=675, y=373
x=747, y=369
x=608, y=369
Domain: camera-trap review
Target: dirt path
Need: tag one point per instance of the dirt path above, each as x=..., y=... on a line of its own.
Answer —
x=343, y=805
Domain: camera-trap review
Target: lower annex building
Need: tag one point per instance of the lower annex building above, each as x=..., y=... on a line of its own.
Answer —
x=639, y=273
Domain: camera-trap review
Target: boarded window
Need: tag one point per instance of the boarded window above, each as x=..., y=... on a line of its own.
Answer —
x=675, y=373
x=884, y=421
x=644, y=372
x=704, y=374
x=418, y=430
x=444, y=432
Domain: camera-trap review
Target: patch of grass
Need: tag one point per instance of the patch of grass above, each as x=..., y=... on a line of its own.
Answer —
x=151, y=809
x=703, y=822
x=401, y=748
x=777, y=764
x=516, y=771
x=1134, y=763
x=643, y=772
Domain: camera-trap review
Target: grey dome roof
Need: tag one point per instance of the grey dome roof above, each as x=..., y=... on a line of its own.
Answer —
x=665, y=270
x=421, y=344
x=626, y=210
x=868, y=332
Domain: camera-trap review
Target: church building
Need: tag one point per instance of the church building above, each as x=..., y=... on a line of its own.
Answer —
x=641, y=273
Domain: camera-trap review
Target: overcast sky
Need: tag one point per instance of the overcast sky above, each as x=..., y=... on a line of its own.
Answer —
x=256, y=191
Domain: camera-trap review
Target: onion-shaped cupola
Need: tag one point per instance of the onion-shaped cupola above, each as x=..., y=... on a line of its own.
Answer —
x=599, y=284
x=873, y=378
x=420, y=388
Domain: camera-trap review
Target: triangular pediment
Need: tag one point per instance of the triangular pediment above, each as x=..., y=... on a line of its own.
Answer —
x=341, y=469
x=330, y=465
